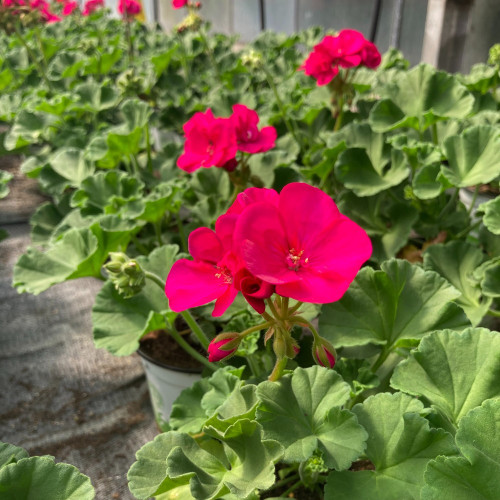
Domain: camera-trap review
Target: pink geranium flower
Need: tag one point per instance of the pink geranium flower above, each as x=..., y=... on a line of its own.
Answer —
x=178, y=4
x=129, y=8
x=250, y=138
x=303, y=246
x=91, y=6
x=346, y=50
x=209, y=142
x=69, y=7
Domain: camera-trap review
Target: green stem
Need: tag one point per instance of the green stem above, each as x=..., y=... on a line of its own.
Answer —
x=292, y=488
x=304, y=322
x=467, y=230
x=294, y=308
x=188, y=318
x=148, y=147
x=492, y=312
x=157, y=226
x=192, y=352
x=135, y=165
x=380, y=360
x=434, y=131
x=182, y=234
x=284, y=481
x=278, y=369
x=195, y=328
x=255, y=328
x=273, y=309
x=340, y=115
x=288, y=124
x=473, y=202
x=128, y=36
x=139, y=245
x=452, y=201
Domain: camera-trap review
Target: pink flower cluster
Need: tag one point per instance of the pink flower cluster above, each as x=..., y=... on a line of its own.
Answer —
x=129, y=8
x=295, y=243
x=178, y=4
x=214, y=141
x=91, y=6
x=346, y=50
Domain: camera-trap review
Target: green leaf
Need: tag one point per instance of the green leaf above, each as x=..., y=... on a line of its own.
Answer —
x=119, y=323
x=44, y=222
x=40, y=477
x=456, y=261
x=70, y=164
x=401, y=301
x=246, y=464
x=454, y=371
x=418, y=98
x=148, y=475
x=400, y=444
x=302, y=411
x=112, y=192
x=79, y=253
x=5, y=177
x=477, y=476
x=491, y=217
x=27, y=129
x=488, y=275
x=370, y=164
x=10, y=453
x=472, y=156
x=94, y=97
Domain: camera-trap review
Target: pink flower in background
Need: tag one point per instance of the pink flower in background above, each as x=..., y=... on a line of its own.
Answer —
x=69, y=7
x=129, y=8
x=346, y=50
x=49, y=16
x=250, y=138
x=39, y=4
x=91, y=6
x=370, y=55
x=178, y=4
x=209, y=142
x=303, y=246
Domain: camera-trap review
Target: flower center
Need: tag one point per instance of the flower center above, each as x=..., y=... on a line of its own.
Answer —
x=294, y=259
x=210, y=149
x=223, y=273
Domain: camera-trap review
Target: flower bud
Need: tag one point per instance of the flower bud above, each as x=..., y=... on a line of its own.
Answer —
x=222, y=346
x=125, y=274
x=252, y=58
x=324, y=353
x=494, y=55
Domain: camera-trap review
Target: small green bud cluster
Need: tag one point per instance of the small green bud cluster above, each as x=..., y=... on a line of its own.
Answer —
x=125, y=274
x=191, y=22
x=311, y=468
x=494, y=58
x=252, y=58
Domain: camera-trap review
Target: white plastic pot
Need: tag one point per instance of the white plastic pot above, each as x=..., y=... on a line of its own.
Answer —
x=165, y=384
x=466, y=196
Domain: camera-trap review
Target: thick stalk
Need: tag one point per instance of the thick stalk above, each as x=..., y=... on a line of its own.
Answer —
x=192, y=352
x=278, y=369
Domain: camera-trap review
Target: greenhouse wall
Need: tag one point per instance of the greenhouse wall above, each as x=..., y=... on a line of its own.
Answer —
x=466, y=39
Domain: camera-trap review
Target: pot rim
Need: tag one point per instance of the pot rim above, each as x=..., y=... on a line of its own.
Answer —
x=161, y=364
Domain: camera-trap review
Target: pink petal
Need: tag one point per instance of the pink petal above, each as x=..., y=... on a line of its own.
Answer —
x=265, y=140
x=192, y=284
x=251, y=196
x=306, y=211
x=261, y=241
x=224, y=228
x=224, y=301
x=204, y=245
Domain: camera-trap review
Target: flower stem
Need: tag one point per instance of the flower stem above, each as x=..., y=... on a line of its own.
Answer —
x=295, y=308
x=273, y=309
x=195, y=328
x=492, y=312
x=155, y=279
x=292, y=488
x=380, y=360
x=340, y=114
x=288, y=124
x=255, y=328
x=278, y=369
x=304, y=322
x=192, y=352
x=434, y=131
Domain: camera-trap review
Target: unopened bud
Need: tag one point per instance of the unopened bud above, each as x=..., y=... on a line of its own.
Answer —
x=223, y=346
x=324, y=353
x=252, y=58
x=494, y=56
x=125, y=274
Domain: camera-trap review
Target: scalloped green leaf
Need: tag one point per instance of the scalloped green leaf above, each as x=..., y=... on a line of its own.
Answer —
x=472, y=156
x=455, y=371
x=11, y=454
x=119, y=323
x=400, y=444
x=369, y=164
x=491, y=218
x=5, y=177
x=79, y=253
x=476, y=475
x=456, y=261
x=148, y=474
x=27, y=129
x=70, y=164
x=40, y=477
x=401, y=301
x=94, y=97
x=302, y=411
x=246, y=463
x=418, y=98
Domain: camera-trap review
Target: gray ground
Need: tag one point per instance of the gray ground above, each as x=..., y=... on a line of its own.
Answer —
x=59, y=395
